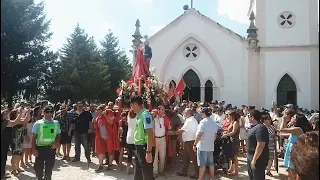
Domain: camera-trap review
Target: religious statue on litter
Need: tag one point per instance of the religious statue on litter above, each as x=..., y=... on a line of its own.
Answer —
x=147, y=53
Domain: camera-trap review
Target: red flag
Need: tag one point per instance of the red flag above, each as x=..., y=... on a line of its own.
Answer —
x=180, y=87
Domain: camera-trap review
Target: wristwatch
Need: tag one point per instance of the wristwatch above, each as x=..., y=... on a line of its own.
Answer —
x=148, y=152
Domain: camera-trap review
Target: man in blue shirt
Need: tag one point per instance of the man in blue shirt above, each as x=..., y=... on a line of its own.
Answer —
x=46, y=137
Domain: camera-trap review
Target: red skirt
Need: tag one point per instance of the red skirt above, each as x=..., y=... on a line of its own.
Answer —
x=100, y=145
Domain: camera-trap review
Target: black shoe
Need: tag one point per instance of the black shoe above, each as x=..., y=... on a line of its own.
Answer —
x=99, y=170
x=106, y=163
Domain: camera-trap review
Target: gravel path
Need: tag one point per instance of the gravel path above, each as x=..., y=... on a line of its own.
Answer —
x=79, y=171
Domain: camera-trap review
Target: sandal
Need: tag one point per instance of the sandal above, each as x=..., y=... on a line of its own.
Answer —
x=269, y=174
x=181, y=174
x=14, y=172
x=20, y=170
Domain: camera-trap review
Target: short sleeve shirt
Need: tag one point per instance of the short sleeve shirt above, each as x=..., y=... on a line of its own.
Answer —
x=190, y=129
x=209, y=129
x=147, y=119
x=258, y=133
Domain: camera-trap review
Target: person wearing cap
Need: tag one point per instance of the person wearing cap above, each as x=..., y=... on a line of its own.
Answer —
x=143, y=140
x=45, y=140
x=204, y=142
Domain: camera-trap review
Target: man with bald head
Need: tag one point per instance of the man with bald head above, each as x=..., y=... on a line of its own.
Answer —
x=188, y=132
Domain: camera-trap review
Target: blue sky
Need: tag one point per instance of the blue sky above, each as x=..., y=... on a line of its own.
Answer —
x=97, y=16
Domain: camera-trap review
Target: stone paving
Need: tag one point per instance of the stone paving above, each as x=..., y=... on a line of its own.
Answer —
x=79, y=171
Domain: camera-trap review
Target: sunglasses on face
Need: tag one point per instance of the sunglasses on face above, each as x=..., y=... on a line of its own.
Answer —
x=47, y=112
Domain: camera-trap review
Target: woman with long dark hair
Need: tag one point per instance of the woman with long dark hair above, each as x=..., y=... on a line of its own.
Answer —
x=17, y=140
x=301, y=125
x=6, y=136
x=233, y=132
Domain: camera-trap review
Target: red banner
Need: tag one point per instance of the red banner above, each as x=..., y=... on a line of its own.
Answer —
x=180, y=87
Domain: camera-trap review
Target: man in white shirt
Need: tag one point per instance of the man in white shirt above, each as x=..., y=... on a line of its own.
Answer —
x=219, y=117
x=188, y=132
x=160, y=140
x=204, y=142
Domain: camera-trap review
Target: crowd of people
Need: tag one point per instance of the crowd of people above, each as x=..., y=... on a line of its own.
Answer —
x=211, y=135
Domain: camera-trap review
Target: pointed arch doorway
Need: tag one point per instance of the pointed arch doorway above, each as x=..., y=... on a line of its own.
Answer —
x=286, y=91
x=192, y=90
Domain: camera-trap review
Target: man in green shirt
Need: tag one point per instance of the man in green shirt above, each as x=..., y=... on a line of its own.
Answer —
x=143, y=136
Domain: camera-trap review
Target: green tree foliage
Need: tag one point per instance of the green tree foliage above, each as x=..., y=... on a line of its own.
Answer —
x=25, y=58
x=81, y=73
x=117, y=61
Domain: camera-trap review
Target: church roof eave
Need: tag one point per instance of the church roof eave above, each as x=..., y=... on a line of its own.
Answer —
x=175, y=21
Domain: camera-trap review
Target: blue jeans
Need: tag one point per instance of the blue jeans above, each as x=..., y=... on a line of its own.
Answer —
x=82, y=139
x=205, y=158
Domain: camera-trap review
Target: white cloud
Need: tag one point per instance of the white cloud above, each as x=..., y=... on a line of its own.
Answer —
x=235, y=10
x=106, y=26
x=155, y=29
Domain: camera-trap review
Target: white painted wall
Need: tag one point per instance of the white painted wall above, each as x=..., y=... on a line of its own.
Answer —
x=297, y=65
x=204, y=66
x=298, y=34
x=227, y=48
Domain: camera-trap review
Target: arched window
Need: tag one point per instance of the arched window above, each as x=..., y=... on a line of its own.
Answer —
x=208, y=91
x=172, y=84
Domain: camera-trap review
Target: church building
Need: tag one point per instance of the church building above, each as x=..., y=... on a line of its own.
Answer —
x=277, y=62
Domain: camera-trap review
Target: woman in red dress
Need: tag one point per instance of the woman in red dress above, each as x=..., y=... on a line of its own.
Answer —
x=100, y=124
x=112, y=135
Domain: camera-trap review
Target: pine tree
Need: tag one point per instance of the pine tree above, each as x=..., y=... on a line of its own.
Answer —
x=117, y=61
x=81, y=73
x=25, y=59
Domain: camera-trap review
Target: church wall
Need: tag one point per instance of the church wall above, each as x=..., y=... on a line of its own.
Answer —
x=225, y=55
x=302, y=33
x=314, y=78
x=203, y=65
x=294, y=63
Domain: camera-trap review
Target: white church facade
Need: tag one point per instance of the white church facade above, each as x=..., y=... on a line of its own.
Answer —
x=278, y=61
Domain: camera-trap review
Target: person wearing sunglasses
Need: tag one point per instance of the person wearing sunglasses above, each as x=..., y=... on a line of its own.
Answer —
x=46, y=137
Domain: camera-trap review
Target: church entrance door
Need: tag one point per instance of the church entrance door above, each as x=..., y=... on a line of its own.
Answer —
x=192, y=90
x=286, y=91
